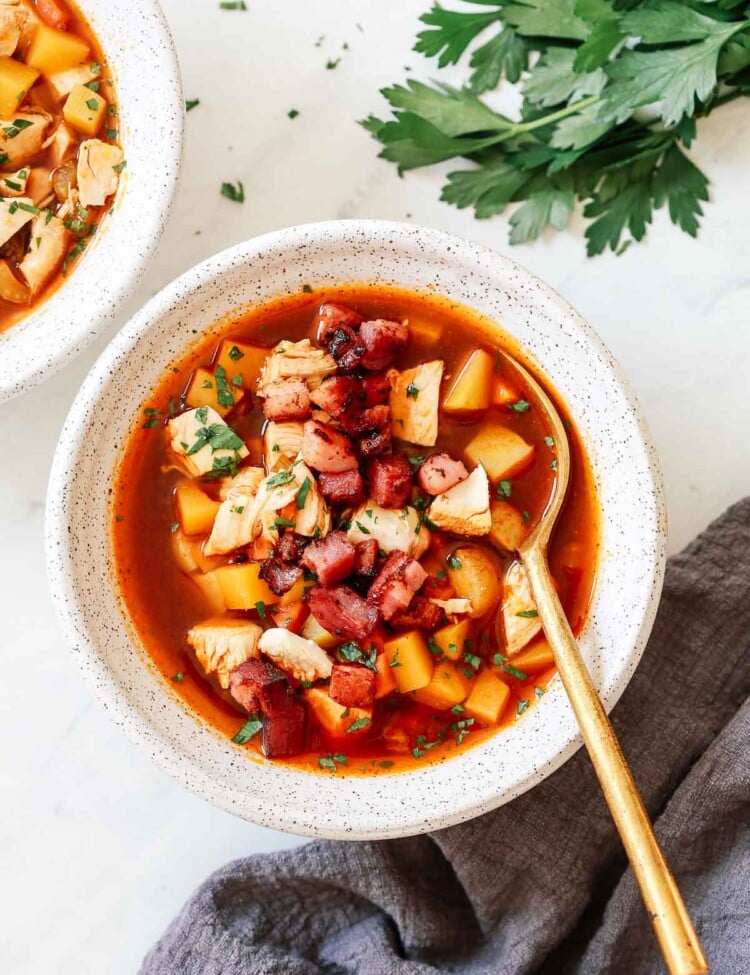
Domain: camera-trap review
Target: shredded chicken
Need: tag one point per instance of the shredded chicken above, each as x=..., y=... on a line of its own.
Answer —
x=246, y=481
x=19, y=145
x=300, y=657
x=97, y=175
x=520, y=621
x=14, y=184
x=185, y=431
x=299, y=359
x=464, y=509
x=63, y=82
x=13, y=216
x=223, y=644
x=394, y=529
x=12, y=20
x=60, y=143
x=414, y=400
x=281, y=443
x=454, y=607
x=47, y=247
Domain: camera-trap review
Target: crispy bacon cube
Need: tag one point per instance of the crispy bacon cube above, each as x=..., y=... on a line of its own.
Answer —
x=375, y=443
x=284, y=729
x=352, y=685
x=366, y=558
x=439, y=473
x=344, y=487
x=331, y=558
x=420, y=615
x=332, y=316
x=279, y=576
x=395, y=585
x=327, y=450
x=338, y=396
x=290, y=546
x=258, y=685
x=376, y=389
x=342, y=612
x=382, y=340
x=390, y=480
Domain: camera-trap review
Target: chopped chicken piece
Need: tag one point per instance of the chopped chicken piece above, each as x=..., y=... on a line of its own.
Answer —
x=188, y=428
x=246, y=481
x=299, y=359
x=252, y=514
x=414, y=400
x=520, y=621
x=394, y=529
x=40, y=188
x=60, y=143
x=19, y=145
x=300, y=657
x=63, y=82
x=97, y=175
x=221, y=644
x=47, y=247
x=455, y=606
x=14, y=184
x=281, y=443
x=440, y=473
x=465, y=508
x=11, y=289
x=13, y=217
x=12, y=20
x=327, y=450
x=286, y=399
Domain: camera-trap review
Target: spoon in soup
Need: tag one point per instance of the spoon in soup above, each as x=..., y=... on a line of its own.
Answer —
x=674, y=930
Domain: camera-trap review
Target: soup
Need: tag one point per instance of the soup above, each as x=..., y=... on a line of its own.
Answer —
x=315, y=526
x=60, y=158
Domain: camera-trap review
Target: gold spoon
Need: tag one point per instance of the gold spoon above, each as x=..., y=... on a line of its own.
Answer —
x=674, y=930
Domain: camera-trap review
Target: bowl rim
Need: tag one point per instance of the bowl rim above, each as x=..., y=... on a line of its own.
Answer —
x=181, y=766
x=25, y=370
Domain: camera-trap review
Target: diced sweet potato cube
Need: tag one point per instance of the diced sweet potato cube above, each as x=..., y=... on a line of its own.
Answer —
x=84, y=110
x=410, y=660
x=209, y=586
x=385, y=681
x=195, y=510
x=241, y=359
x=471, y=390
x=52, y=51
x=537, y=656
x=508, y=527
x=488, y=698
x=242, y=586
x=333, y=717
x=451, y=639
x=503, y=392
x=203, y=392
x=312, y=630
x=290, y=616
x=16, y=79
x=447, y=688
x=501, y=450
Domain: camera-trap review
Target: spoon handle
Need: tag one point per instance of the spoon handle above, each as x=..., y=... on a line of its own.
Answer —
x=674, y=930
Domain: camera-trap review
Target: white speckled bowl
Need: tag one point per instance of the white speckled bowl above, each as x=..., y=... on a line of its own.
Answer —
x=143, y=62
x=149, y=711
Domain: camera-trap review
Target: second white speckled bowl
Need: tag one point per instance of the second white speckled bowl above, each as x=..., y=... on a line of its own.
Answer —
x=142, y=60
x=140, y=700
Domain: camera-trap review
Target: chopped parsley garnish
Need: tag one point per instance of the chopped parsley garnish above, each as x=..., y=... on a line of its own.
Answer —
x=454, y=563
x=233, y=5
x=357, y=725
x=500, y=661
x=550, y=442
x=174, y=526
x=331, y=762
x=394, y=661
x=528, y=614
x=235, y=353
x=387, y=763
x=118, y=167
x=441, y=574
x=538, y=692
x=332, y=63
x=280, y=522
x=434, y=648
x=553, y=465
x=412, y=391
x=520, y=406
x=306, y=289
x=207, y=384
x=473, y=660
x=458, y=709
x=418, y=460
x=232, y=192
x=504, y=490
x=92, y=103
x=280, y=478
x=19, y=124
x=191, y=103
x=152, y=417
x=522, y=706
x=237, y=380
x=260, y=607
x=249, y=730
x=363, y=528
x=218, y=436
x=179, y=677
x=303, y=492
x=223, y=393
x=352, y=653
x=292, y=113
x=526, y=516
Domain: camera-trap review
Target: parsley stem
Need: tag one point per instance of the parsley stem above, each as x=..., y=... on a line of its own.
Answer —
x=539, y=123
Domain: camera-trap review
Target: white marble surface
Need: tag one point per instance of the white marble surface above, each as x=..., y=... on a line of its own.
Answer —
x=99, y=848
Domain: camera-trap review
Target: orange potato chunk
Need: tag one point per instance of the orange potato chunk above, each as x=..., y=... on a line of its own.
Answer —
x=195, y=510
x=471, y=391
x=508, y=527
x=334, y=717
x=410, y=660
x=203, y=392
x=447, y=687
x=537, y=656
x=451, y=639
x=242, y=587
x=241, y=359
x=487, y=699
x=385, y=681
x=84, y=110
x=502, y=451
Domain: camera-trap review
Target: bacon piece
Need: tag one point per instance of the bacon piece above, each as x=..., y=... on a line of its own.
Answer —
x=366, y=558
x=286, y=399
x=345, y=487
x=279, y=577
x=376, y=389
x=420, y=615
x=326, y=449
x=338, y=395
x=390, y=480
x=331, y=558
x=291, y=617
x=352, y=685
x=439, y=473
x=375, y=443
x=366, y=420
x=290, y=546
x=342, y=612
x=257, y=685
x=394, y=587
x=344, y=344
x=382, y=339
x=332, y=316
x=284, y=729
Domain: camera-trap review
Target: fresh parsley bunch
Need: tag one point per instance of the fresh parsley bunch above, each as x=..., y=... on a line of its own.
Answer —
x=611, y=93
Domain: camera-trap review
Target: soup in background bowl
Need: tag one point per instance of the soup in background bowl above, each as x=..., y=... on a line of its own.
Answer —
x=129, y=506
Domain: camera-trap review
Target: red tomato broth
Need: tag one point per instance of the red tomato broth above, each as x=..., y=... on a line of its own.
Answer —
x=143, y=509
x=64, y=17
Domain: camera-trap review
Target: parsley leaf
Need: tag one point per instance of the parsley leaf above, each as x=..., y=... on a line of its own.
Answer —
x=249, y=729
x=232, y=192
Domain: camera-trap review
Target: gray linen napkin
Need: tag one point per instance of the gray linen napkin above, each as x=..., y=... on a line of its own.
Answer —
x=540, y=885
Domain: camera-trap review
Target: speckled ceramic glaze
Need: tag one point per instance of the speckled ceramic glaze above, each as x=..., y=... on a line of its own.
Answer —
x=142, y=60
x=140, y=700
